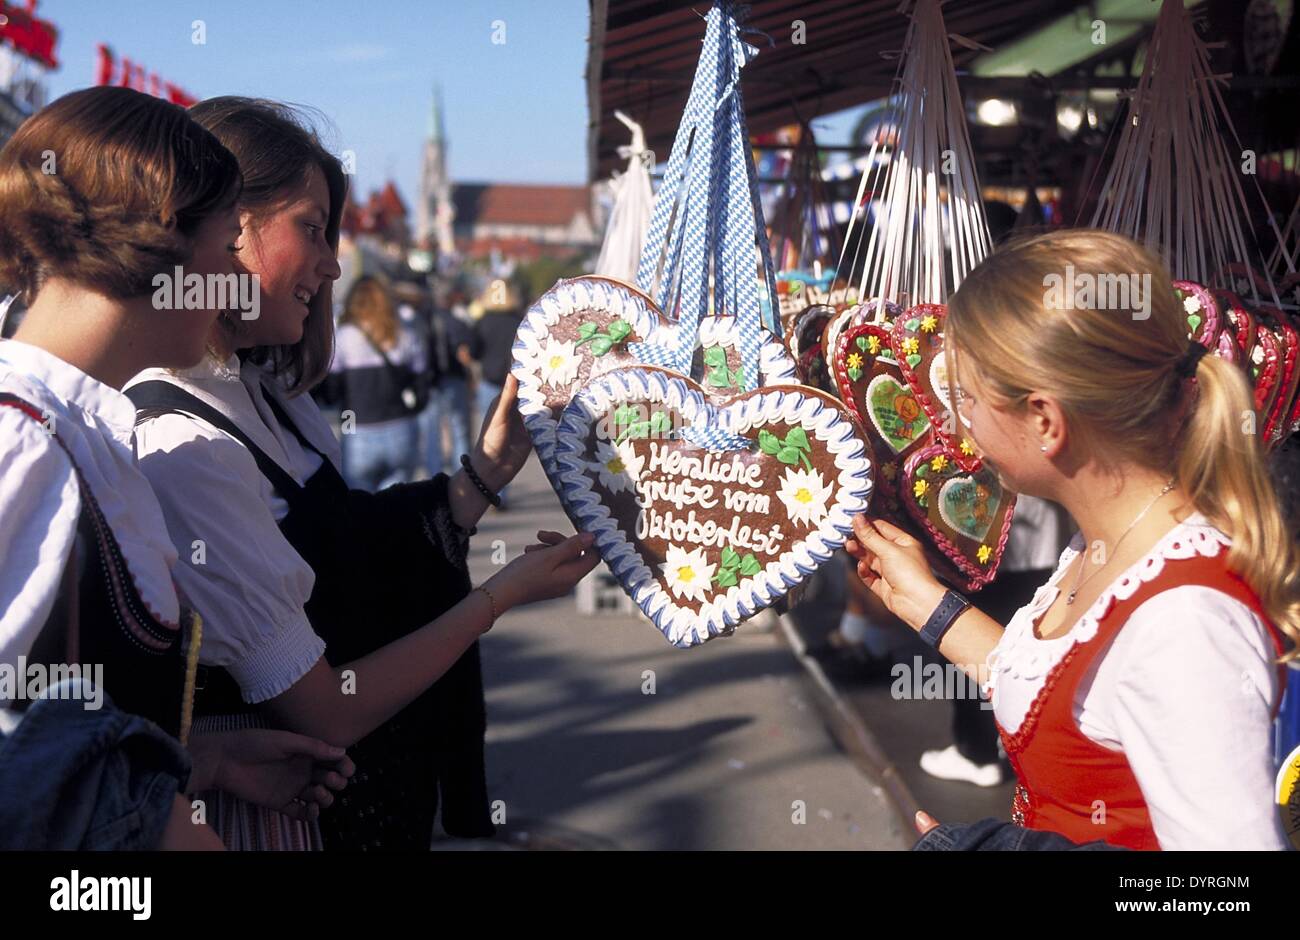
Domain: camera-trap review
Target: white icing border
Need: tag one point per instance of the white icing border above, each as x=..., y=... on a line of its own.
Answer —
x=823, y=421
x=594, y=292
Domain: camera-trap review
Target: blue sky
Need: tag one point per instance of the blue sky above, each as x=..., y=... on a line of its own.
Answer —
x=513, y=112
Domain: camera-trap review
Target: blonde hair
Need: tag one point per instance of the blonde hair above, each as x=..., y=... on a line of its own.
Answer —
x=370, y=308
x=1114, y=373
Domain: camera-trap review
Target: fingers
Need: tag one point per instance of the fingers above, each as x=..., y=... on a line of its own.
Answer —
x=302, y=745
x=893, y=533
x=924, y=822
x=346, y=767
x=549, y=537
x=854, y=548
x=573, y=547
x=329, y=778
x=318, y=794
x=509, y=392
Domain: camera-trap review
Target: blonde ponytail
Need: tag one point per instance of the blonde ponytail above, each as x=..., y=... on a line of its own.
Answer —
x=1114, y=370
x=1221, y=467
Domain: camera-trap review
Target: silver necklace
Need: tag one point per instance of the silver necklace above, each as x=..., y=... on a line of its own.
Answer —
x=1080, y=580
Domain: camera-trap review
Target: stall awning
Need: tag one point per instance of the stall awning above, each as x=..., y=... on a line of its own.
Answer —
x=643, y=53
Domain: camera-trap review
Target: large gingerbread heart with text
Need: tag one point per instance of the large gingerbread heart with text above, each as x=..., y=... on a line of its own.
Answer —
x=917, y=342
x=966, y=515
x=703, y=539
x=583, y=327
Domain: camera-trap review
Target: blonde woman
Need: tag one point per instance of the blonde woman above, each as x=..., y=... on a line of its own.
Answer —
x=379, y=365
x=1135, y=693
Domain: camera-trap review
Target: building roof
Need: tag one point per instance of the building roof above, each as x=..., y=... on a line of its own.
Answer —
x=517, y=204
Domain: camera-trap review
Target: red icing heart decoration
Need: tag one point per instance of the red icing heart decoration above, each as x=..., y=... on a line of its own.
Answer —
x=1200, y=311
x=966, y=515
x=917, y=342
x=872, y=386
x=1283, y=329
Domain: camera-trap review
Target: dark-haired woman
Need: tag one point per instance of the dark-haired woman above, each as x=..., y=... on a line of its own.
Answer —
x=329, y=611
x=102, y=193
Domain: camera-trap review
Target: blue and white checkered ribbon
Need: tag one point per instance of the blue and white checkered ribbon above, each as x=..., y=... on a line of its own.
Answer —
x=707, y=215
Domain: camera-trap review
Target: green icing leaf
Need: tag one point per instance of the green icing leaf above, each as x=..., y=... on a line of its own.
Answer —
x=798, y=438
x=862, y=342
x=619, y=330
x=768, y=442
x=788, y=454
x=749, y=566
x=715, y=356
x=601, y=345
x=587, y=330
x=729, y=558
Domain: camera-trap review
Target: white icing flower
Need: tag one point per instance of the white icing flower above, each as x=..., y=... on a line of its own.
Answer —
x=688, y=573
x=804, y=495
x=557, y=363
x=1191, y=304
x=618, y=465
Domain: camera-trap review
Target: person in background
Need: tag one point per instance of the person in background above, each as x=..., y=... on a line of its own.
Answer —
x=450, y=338
x=493, y=339
x=381, y=363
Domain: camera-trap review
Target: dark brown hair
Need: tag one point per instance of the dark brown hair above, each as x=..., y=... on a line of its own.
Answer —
x=278, y=150
x=106, y=187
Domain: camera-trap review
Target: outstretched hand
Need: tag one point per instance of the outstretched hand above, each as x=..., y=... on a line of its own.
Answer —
x=503, y=442
x=546, y=570
x=892, y=565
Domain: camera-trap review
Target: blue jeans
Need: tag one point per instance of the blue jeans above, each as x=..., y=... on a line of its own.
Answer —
x=89, y=779
x=379, y=455
x=448, y=402
x=994, y=835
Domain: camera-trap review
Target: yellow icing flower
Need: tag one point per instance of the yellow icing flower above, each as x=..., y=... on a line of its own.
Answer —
x=983, y=554
x=854, y=361
x=873, y=344
x=911, y=346
x=919, y=488
x=967, y=448
x=928, y=324
x=939, y=464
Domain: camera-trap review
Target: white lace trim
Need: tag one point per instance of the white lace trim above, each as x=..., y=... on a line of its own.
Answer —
x=1021, y=655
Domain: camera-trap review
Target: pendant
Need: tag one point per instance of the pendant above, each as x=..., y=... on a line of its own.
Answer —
x=1069, y=598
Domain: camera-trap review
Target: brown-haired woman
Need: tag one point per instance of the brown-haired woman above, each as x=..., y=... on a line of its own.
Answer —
x=1135, y=694
x=329, y=609
x=102, y=194
x=379, y=365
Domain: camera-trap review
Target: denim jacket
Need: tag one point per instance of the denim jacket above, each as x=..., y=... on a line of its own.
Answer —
x=77, y=778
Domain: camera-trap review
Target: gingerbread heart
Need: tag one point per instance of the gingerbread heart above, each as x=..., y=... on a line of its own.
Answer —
x=1238, y=322
x=703, y=539
x=583, y=327
x=1265, y=371
x=917, y=342
x=1200, y=311
x=1282, y=328
x=966, y=515
x=804, y=343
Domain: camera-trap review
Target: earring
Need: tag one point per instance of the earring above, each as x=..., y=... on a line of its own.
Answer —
x=1043, y=448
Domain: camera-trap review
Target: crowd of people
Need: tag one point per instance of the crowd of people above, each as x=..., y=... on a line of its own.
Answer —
x=253, y=588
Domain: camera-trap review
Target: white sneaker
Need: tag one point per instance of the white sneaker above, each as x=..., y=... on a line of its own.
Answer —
x=948, y=764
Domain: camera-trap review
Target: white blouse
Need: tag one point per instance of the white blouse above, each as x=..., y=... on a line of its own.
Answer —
x=1185, y=690
x=236, y=566
x=40, y=501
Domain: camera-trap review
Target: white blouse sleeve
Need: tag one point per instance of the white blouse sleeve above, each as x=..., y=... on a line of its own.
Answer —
x=1192, y=711
x=235, y=567
x=39, y=506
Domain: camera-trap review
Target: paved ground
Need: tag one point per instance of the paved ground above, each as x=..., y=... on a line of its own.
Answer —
x=729, y=751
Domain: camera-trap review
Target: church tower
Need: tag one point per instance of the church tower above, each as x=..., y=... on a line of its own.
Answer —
x=435, y=211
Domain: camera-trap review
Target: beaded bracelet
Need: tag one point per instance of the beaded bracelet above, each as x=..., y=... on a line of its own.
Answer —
x=474, y=478
x=492, y=602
